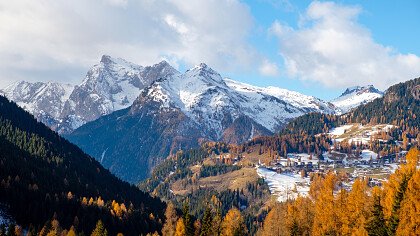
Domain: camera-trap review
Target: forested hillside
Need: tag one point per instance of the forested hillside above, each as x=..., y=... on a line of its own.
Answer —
x=400, y=107
x=207, y=188
x=330, y=209
x=43, y=177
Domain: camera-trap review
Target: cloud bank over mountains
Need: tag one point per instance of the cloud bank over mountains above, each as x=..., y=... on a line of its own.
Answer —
x=57, y=40
x=332, y=48
x=42, y=39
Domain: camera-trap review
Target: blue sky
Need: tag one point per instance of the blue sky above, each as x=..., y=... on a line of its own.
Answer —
x=315, y=47
x=391, y=23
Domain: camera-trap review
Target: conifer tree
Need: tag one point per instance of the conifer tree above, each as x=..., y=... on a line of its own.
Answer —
x=233, y=224
x=206, y=226
x=170, y=223
x=395, y=216
x=325, y=217
x=376, y=226
x=3, y=230
x=180, y=228
x=410, y=208
x=99, y=229
x=71, y=232
x=188, y=221
x=358, y=207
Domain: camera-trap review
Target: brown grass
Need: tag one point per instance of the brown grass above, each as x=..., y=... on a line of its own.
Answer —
x=232, y=180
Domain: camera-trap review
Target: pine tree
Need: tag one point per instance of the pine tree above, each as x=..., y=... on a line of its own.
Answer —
x=294, y=230
x=358, y=207
x=188, y=221
x=206, y=226
x=395, y=216
x=376, y=224
x=11, y=230
x=409, y=212
x=3, y=230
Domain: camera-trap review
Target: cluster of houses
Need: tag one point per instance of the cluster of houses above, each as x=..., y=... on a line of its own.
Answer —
x=299, y=163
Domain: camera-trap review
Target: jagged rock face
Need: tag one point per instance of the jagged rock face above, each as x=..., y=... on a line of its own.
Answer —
x=356, y=96
x=181, y=110
x=44, y=100
x=111, y=85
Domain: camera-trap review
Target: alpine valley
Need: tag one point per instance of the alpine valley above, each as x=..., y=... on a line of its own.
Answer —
x=198, y=143
x=151, y=112
x=177, y=118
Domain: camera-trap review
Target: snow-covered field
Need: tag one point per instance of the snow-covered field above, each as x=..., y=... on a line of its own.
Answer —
x=368, y=155
x=340, y=130
x=284, y=186
x=357, y=133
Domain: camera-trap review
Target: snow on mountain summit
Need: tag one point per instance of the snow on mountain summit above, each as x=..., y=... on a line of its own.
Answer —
x=214, y=103
x=211, y=102
x=355, y=96
x=110, y=85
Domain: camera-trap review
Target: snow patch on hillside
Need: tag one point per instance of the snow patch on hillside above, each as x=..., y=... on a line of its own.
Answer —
x=284, y=186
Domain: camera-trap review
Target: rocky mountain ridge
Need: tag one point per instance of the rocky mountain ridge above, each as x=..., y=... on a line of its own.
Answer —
x=355, y=96
x=111, y=85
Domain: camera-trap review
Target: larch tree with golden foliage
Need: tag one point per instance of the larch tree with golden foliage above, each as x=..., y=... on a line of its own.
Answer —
x=233, y=224
x=99, y=230
x=325, y=219
x=358, y=207
x=170, y=223
x=180, y=229
x=275, y=222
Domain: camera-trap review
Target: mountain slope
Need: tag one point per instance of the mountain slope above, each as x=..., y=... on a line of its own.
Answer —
x=42, y=175
x=399, y=106
x=180, y=111
x=111, y=85
x=44, y=100
x=356, y=96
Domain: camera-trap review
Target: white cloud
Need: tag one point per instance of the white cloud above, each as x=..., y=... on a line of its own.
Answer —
x=121, y=3
x=59, y=39
x=268, y=68
x=332, y=48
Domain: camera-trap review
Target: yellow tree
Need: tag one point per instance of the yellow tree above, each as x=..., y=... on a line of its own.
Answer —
x=274, y=223
x=341, y=213
x=71, y=232
x=99, y=230
x=180, y=228
x=170, y=222
x=305, y=214
x=358, y=207
x=233, y=224
x=325, y=217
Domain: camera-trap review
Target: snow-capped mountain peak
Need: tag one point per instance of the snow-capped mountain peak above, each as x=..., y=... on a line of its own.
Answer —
x=355, y=96
x=360, y=89
x=215, y=103
x=110, y=85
